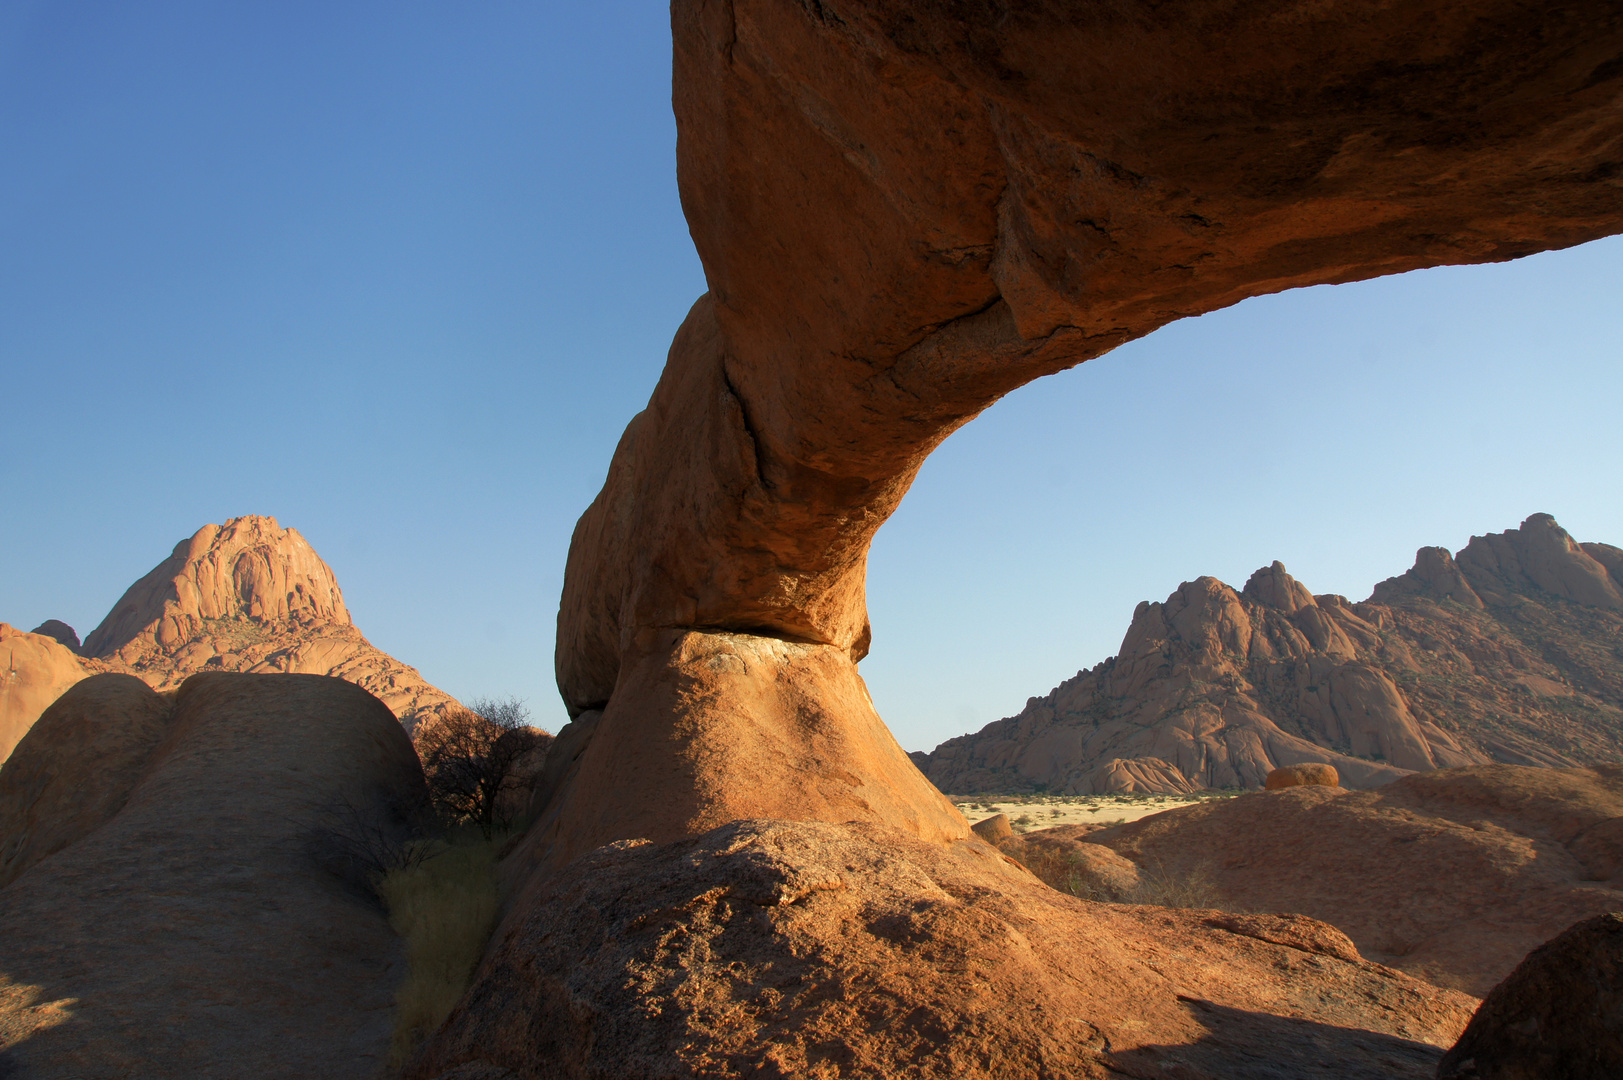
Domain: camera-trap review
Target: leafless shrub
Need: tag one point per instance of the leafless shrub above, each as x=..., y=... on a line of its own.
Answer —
x=470, y=757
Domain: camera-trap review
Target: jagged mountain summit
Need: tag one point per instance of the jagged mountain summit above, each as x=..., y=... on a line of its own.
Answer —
x=1511, y=652
x=247, y=595
x=249, y=569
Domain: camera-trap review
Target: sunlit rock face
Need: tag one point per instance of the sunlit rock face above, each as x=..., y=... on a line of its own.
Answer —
x=250, y=595
x=907, y=209
x=247, y=569
x=1503, y=655
x=35, y=670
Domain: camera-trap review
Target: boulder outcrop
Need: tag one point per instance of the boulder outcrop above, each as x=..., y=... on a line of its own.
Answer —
x=1297, y=775
x=60, y=632
x=771, y=948
x=1558, y=1014
x=77, y=767
x=1452, y=876
x=179, y=922
x=35, y=670
x=1502, y=655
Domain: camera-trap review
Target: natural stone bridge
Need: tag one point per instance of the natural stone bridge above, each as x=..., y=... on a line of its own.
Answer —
x=908, y=208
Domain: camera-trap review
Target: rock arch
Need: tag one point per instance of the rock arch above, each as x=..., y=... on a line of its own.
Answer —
x=906, y=209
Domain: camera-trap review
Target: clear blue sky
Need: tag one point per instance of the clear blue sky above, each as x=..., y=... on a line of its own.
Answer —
x=398, y=274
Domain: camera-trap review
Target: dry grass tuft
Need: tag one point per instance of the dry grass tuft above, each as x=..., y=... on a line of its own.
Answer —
x=445, y=909
x=1157, y=886
x=1194, y=888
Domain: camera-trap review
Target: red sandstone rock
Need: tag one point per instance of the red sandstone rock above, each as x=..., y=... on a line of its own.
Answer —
x=797, y=949
x=1538, y=556
x=905, y=210
x=1451, y=876
x=190, y=931
x=792, y=733
x=994, y=830
x=1556, y=1015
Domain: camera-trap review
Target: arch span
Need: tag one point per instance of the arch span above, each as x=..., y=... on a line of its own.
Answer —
x=906, y=209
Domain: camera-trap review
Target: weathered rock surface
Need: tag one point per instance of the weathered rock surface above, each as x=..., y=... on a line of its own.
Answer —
x=906, y=209
x=789, y=729
x=994, y=829
x=1452, y=876
x=250, y=595
x=1507, y=654
x=249, y=568
x=191, y=931
x=768, y=948
x=35, y=670
x=1559, y=1014
x=1297, y=775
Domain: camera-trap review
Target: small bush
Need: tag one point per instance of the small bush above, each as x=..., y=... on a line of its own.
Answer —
x=1069, y=873
x=444, y=907
x=471, y=758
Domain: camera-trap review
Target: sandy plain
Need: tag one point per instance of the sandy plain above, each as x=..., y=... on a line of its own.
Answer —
x=1029, y=812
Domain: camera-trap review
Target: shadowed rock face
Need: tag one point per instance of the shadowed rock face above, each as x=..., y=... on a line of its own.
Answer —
x=60, y=632
x=171, y=917
x=1505, y=654
x=907, y=209
x=77, y=767
x=1560, y=1013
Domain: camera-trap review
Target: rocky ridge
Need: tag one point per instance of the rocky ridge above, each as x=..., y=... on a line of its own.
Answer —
x=1511, y=652
x=246, y=596
x=1451, y=876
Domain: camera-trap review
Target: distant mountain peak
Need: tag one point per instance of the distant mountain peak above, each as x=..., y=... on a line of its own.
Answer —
x=249, y=568
x=1505, y=653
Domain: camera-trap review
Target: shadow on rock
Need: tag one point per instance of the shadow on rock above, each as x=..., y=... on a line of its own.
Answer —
x=178, y=927
x=1240, y=1044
